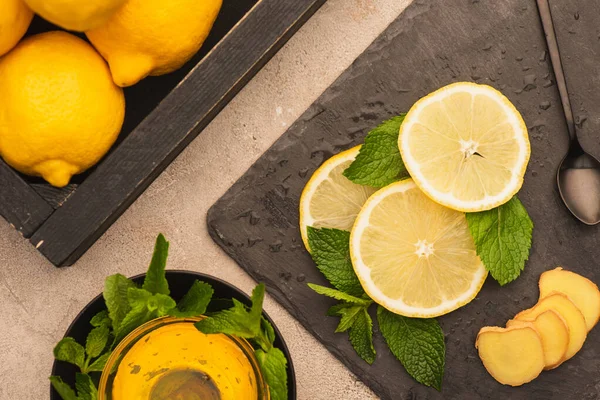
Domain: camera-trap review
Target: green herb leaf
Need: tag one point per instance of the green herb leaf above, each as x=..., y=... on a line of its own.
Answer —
x=115, y=297
x=349, y=315
x=156, y=281
x=100, y=319
x=273, y=365
x=361, y=336
x=65, y=391
x=195, y=301
x=336, y=294
x=86, y=390
x=379, y=162
x=502, y=239
x=96, y=341
x=330, y=250
x=70, y=351
x=418, y=343
x=135, y=318
x=237, y=320
x=266, y=336
x=99, y=363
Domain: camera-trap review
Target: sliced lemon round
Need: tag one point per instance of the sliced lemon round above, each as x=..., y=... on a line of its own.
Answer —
x=413, y=256
x=329, y=199
x=466, y=146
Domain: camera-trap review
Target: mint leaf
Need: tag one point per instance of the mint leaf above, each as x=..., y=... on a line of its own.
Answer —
x=98, y=365
x=156, y=281
x=96, y=341
x=502, y=238
x=65, y=391
x=273, y=365
x=163, y=304
x=349, y=316
x=100, y=319
x=115, y=297
x=86, y=390
x=195, y=301
x=237, y=321
x=379, y=162
x=418, y=343
x=330, y=250
x=266, y=336
x=361, y=336
x=135, y=318
x=70, y=351
x=336, y=294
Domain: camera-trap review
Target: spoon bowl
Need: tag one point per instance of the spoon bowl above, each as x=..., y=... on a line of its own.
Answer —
x=578, y=181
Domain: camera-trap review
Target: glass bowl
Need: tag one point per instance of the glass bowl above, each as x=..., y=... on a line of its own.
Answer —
x=139, y=361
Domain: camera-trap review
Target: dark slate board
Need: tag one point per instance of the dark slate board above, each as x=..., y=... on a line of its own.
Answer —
x=433, y=43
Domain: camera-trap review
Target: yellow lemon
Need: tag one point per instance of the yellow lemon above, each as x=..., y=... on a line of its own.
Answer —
x=466, y=146
x=60, y=110
x=15, y=18
x=413, y=256
x=153, y=37
x=76, y=15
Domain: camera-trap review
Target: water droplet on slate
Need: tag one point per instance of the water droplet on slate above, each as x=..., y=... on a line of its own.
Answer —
x=529, y=81
x=544, y=105
x=543, y=56
x=487, y=47
x=276, y=246
x=576, y=15
x=302, y=173
x=548, y=83
x=518, y=91
x=519, y=58
x=283, y=163
x=475, y=77
x=301, y=278
x=253, y=241
x=525, y=68
x=285, y=275
x=579, y=120
x=503, y=51
x=254, y=218
x=534, y=173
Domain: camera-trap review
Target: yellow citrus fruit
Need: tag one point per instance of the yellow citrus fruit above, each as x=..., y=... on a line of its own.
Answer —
x=329, y=199
x=75, y=15
x=153, y=37
x=60, y=110
x=466, y=147
x=15, y=18
x=413, y=256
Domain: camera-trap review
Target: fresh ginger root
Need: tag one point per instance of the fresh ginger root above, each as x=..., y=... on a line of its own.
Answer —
x=570, y=313
x=554, y=334
x=513, y=356
x=583, y=292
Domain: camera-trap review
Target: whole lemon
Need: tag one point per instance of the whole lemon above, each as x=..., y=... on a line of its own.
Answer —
x=75, y=15
x=15, y=18
x=153, y=37
x=60, y=111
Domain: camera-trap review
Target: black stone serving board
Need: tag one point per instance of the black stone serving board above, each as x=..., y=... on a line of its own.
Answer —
x=433, y=43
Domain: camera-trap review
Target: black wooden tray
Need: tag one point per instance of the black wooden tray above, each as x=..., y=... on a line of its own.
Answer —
x=164, y=114
x=179, y=284
x=433, y=43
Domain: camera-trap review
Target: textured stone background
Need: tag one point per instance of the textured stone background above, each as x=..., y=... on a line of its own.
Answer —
x=37, y=301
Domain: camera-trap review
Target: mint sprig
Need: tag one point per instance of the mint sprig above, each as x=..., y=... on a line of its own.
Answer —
x=503, y=239
x=129, y=306
x=330, y=250
x=379, y=162
x=418, y=343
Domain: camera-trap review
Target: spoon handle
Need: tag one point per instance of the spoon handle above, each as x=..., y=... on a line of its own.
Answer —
x=546, y=16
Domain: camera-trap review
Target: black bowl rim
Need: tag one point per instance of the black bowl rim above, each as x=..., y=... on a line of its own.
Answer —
x=292, y=395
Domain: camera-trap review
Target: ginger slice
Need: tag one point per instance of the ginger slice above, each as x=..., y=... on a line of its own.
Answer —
x=583, y=292
x=554, y=333
x=568, y=311
x=513, y=356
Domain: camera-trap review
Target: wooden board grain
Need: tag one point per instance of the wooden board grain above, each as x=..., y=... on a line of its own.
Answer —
x=433, y=43
x=141, y=156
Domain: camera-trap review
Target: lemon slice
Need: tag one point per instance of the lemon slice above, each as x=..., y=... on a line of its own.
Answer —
x=329, y=199
x=466, y=146
x=413, y=256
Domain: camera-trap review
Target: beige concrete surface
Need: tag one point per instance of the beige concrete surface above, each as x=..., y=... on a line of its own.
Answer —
x=37, y=301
